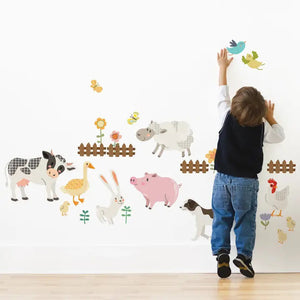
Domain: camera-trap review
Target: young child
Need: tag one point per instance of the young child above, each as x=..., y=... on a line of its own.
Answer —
x=238, y=160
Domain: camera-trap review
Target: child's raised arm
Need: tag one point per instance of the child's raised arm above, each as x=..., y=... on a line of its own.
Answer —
x=274, y=133
x=224, y=63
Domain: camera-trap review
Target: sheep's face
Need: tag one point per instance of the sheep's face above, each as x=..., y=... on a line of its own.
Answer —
x=145, y=134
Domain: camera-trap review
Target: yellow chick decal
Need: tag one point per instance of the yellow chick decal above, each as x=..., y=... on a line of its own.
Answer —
x=290, y=223
x=64, y=208
x=282, y=236
x=251, y=61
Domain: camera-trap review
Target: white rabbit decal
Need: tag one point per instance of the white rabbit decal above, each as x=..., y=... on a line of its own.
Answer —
x=108, y=213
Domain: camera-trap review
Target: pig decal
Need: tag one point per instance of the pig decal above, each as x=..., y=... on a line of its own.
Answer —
x=155, y=188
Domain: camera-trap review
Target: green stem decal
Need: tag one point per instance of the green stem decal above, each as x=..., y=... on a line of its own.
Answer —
x=100, y=137
x=126, y=209
x=85, y=217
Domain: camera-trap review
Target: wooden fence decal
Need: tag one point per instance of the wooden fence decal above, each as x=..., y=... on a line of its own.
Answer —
x=111, y=150
x=91, y=150
x=190, y=167
x=120, y=151
x=284, y=167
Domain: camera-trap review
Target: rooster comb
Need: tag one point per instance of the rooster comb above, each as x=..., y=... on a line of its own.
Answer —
x=271, y=180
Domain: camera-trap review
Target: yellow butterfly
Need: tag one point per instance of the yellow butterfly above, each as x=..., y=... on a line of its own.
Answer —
x=96, y=87
x=133, y=118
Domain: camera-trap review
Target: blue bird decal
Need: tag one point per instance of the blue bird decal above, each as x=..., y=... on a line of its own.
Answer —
x=236, y=48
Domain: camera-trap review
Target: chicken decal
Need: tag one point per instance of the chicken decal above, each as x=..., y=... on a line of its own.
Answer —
x=278, y=200
x=290, y=223
x=282, y=236
x=64, y=208
x=236, y=48
x=251, y=61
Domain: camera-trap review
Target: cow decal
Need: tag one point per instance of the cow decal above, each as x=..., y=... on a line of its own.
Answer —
x=41, y=170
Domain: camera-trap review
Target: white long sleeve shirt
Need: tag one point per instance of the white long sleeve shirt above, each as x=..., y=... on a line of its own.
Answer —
x=272, y=134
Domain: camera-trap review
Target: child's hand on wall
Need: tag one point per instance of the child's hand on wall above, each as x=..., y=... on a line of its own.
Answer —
x=224, y=63
x=223, y=60
x=270, y=112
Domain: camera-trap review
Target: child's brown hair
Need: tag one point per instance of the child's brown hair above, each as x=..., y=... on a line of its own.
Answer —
x=248, y=106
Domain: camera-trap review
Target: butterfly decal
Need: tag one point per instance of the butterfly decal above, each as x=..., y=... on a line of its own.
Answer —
x=96, y=86
x=133, y=118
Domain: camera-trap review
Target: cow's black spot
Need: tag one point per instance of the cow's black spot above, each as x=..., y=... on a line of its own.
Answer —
x=34, y=163
x=51, y=159
x=60, y=158
x=60, y=169
x=25, y=170
x=14, y=164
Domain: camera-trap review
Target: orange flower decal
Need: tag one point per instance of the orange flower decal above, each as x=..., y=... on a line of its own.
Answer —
x=211, y=155
x=115, y=136
x=100, y=123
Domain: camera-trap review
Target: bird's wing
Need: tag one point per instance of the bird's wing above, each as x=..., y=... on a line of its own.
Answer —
x=233, y=43
x=255, y=56
x=293, y=223
x=74, y=184
x=245, y=61
x=283, y=194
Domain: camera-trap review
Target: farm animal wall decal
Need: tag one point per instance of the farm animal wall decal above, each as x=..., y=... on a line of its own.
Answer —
x=133, y=118
x=203, y=217
x=282, y=236
x=96, y=86
x=157, y=189
x=176, y=135
x=250, y=61
x=109, y=213
x=278, y=200
x=41, y=170
x=76, y=187
x=113, y=150
x=236, y=48
x=283, y=167
x=64, y=208
x=290, y=223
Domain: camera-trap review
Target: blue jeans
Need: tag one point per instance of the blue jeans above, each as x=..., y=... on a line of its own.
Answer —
x=234, y=198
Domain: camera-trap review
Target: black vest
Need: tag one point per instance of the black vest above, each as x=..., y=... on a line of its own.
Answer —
x=239, y=151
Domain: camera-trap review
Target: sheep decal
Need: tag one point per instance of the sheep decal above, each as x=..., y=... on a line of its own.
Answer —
x=168, y=135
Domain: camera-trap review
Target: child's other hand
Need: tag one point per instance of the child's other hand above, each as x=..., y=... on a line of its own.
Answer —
x=223, y=60
x=270, y=112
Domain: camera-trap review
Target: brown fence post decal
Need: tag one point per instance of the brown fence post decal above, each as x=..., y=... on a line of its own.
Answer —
x=111, y=150
x=94, y=150
x=196, y=167
x=283, y=167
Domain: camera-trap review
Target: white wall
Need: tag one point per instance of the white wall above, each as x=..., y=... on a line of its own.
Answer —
x=157, y=58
